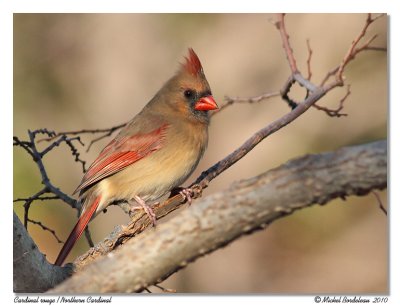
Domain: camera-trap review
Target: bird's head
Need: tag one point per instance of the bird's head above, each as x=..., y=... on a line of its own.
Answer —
x=188, y=92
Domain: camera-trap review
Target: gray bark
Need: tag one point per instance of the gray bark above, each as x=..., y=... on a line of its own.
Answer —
x=218, y=219
x=32, y=272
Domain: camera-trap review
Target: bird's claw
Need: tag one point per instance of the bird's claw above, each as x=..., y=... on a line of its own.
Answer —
x=191, y=193
x=147, y=209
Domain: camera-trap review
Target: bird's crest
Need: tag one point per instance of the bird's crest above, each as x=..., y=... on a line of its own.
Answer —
x=192, y=64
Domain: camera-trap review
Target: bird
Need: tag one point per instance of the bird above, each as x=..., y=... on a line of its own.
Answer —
x=154, y=153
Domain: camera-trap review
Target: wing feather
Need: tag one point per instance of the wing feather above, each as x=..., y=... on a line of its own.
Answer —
x=120, y=153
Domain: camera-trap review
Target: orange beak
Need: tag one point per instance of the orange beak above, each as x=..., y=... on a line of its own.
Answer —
x=206, y=103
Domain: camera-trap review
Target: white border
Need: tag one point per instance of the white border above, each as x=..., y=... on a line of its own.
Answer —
x=7, y=8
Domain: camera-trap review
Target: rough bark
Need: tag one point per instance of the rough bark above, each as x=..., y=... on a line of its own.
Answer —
x=218, y=219
x=32, y=272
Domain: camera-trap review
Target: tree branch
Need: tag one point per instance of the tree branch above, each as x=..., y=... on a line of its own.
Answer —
x=233, y=100
x=139, y=222
x=32, y=272
x=219, y=219
x=280, y=25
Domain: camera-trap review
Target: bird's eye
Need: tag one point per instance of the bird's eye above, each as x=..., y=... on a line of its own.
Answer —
x=189, y=93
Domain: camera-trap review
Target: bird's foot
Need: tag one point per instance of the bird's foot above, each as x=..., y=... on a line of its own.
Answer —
x=191, y=193
x=142, y=205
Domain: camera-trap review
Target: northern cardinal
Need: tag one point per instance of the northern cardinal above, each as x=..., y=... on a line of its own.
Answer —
x=154, y=153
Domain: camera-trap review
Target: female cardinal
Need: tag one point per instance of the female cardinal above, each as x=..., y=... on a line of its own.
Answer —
x=154, y=153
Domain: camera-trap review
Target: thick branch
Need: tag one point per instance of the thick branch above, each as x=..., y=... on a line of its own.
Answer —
x=245, y=207
x=32, y=272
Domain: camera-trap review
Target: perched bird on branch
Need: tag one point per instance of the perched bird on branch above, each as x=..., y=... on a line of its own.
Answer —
x=154, y=153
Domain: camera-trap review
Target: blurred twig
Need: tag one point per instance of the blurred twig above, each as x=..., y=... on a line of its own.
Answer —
x=31, y=148
x=353, y=51
x=378, y=198
x=338, y=71
x=280, y=25
x=233, y=100
x=106, y=132
x=310, y=52
x=37, y=156
x=45, y=228
x=335, y=112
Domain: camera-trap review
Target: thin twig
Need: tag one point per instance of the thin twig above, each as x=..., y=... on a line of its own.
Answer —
x=380, y=202
x=233, y=100
x=165, y=289
x=310, y=52
x=26, y=145
x=85, y=131
x=372, y=48
x=88, y=237
x=44, y=227
x=329, y=74
x=106, y=133
x=28, y=203
x=37, y=156
x=93, y=141
x=45, y=179
x=353, y=51
x=335, y=112
x=36, y=198
x=280, y=25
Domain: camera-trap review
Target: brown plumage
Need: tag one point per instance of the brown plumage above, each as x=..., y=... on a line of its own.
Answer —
x=154, y=153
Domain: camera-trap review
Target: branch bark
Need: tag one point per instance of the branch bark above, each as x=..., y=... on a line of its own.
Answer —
x=32, y=272
x=246, y=206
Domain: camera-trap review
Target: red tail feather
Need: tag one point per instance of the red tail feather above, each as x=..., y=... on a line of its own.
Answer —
x=77, y=231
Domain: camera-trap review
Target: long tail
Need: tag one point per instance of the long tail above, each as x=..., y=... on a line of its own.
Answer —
x=77, y=231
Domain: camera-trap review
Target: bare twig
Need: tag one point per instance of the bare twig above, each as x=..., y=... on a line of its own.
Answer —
x=372, y=48
x=329, y=74
x=280, y=25
x=335, y=112
x=165, y=289
x=378, y=198
x=93, y=141
x=88, y=237
x=296, y=76
x=353, y=51
x=28, y=203
x=39, y=162
x=86, y=131
x=37, y=156
x=46, y=229
x=233, y=100
x=106, y=133
x=36, y=198
x=310, y=52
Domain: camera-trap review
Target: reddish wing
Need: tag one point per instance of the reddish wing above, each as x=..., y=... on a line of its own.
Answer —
x=120, y=153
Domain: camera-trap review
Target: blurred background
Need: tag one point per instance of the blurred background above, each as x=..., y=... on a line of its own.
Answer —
x=82, y=71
